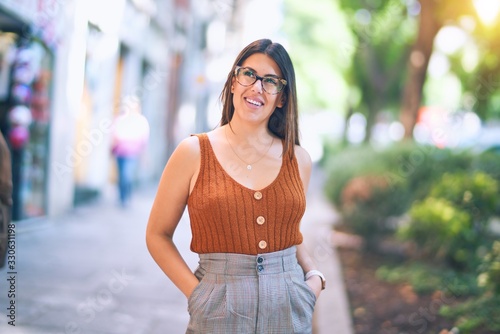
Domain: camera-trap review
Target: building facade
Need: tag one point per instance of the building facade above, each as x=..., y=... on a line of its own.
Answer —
x=68, y=67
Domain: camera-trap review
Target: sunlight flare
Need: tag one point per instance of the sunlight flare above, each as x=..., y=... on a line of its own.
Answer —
x=487, y=10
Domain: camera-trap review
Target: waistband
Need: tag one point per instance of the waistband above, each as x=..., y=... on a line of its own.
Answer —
x=245, y=265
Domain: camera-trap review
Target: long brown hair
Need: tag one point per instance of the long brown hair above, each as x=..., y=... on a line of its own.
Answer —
x=283, y=122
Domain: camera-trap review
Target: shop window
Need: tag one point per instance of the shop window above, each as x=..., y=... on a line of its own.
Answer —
x=25, y=77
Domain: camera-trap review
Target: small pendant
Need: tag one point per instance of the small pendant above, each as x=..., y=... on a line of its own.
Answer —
x=249, y=167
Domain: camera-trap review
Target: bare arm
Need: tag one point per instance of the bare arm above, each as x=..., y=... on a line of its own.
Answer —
x=303, y=257
x=171, y=199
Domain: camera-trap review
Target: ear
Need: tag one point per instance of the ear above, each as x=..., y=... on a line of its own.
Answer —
x=232, y=86
x=281, y=101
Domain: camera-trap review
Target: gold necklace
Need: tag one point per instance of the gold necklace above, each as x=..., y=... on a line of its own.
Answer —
x=249, y=165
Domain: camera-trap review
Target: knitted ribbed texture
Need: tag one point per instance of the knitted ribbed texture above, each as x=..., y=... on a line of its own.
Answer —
x=224, y=214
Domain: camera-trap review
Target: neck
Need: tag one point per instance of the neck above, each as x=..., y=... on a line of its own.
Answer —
x=248, y=133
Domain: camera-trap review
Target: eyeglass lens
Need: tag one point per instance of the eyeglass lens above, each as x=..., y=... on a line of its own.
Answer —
x=247, y=77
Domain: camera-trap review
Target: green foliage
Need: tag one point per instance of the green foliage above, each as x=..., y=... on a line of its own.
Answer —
x=483, y=82
x=346, y=165
x=367, y=201
x=320, y=57
x=358, y=186
x=489, y=163
x=425, y=165
x=489, y=276
x=451, y=223
x=425, y=279
x=476, y=193
x=382, y=184
x=449, y=197
x=442, y=231
x=475, y=314
x=383, y=34
x=404, y=164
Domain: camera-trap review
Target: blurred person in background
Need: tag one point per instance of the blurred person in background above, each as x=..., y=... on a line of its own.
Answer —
x=5, y=197
x=130, y=136
x=244, y=184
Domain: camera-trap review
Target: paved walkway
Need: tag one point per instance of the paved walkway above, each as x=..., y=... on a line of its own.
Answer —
x=90, y=272
x=332, y=315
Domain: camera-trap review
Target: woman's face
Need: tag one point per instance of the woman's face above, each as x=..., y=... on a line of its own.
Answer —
x=253, y=103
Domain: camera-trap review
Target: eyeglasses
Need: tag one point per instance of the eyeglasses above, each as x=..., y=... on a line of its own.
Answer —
x=270, y=83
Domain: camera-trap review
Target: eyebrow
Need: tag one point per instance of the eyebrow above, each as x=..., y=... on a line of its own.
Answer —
x=265, y=75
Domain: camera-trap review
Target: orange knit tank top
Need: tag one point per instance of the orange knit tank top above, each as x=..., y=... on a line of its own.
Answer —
x=227, y=217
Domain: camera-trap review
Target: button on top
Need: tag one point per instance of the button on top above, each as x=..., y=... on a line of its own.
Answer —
x=257, y=195
x=262, y=244
x=260, y=259
x=261, y=220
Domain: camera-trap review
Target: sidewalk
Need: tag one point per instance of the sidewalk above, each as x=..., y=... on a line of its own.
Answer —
x=90, y=272
x=332, y=314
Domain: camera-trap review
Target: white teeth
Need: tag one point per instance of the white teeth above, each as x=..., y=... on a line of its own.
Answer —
x=256, y=103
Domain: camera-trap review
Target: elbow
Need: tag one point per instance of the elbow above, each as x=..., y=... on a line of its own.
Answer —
x=154, y=239
x=148, y=242
x=150, y=239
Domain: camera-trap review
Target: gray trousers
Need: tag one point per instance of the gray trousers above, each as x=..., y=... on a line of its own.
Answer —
x=243, y=294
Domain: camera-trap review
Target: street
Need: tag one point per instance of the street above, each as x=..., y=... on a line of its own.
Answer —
x=90, y=272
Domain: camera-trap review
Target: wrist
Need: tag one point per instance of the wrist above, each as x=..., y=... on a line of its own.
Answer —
x=318, y=273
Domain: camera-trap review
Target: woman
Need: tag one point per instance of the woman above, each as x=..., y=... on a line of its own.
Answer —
x=244, y=184
x=130, y=137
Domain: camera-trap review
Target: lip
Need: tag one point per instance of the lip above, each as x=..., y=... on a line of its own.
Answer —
x=250, y=100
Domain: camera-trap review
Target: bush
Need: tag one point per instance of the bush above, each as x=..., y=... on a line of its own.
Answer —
x=489, y=163
x=476, y=193
x=475, y=314
x=451, y=224
x=365, y=192
x=422, y=166
x=367, y=201
x=440, y=229
x=426, y=279
x=489, y=276
x=481, y=313
x=369, y=187
x=348, y=164
x=408, y=168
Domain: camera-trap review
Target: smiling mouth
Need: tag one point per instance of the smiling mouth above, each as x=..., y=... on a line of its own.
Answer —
x=255, y=103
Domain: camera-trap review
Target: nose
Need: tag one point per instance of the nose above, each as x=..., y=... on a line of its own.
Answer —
x=257, y=86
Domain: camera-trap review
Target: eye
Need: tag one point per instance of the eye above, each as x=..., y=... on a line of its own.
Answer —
x=248, y=73
x=271, y=81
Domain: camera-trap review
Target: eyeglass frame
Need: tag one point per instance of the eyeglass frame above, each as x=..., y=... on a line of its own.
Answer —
x=258, y=77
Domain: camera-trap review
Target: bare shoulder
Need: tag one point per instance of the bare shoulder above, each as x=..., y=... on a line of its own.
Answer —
x=305, y=164
x=182, y=166
x=189, y=145
x=303, y=157
x=186, y=155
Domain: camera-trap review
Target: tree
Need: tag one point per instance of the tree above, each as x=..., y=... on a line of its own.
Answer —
x=429, y=26
x=316, y=32
x=484, y=83
x=383, y=34
x=433, y=16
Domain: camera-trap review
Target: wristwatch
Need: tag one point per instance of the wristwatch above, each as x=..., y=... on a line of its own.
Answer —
x=311, y=273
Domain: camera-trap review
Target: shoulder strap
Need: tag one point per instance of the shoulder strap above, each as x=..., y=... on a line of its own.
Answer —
x=204, y=149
